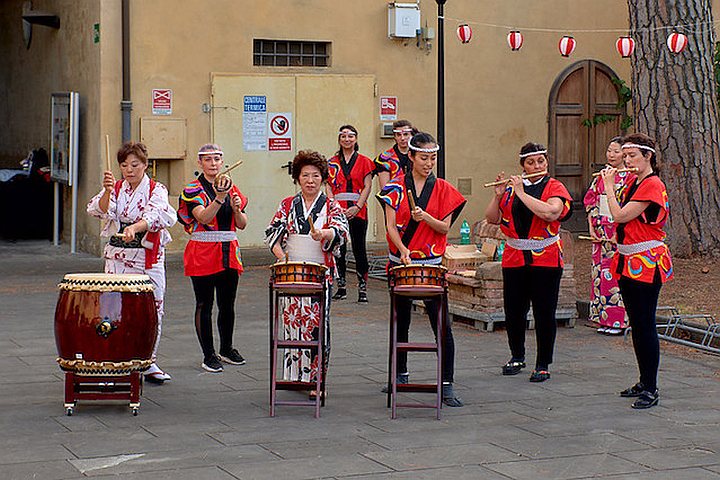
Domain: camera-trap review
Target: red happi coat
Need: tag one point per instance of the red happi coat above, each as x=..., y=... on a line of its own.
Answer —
x=392, y=161
x=207, y=258
x=550, y=256
x=438, y=198
x=647, y=226
x=359, y=167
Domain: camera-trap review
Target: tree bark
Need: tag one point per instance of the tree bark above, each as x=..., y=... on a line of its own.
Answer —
x=675, y=101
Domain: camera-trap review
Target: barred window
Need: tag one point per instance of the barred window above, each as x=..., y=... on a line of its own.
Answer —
x=290, y=53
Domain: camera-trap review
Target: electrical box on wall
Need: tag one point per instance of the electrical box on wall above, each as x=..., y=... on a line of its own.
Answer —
x=386, y=130
x=403, y=20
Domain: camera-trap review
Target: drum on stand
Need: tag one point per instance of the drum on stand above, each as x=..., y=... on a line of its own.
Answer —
x=105, y=331
x=418, y=280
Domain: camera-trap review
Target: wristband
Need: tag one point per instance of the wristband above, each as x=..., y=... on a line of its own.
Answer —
x=218, y=202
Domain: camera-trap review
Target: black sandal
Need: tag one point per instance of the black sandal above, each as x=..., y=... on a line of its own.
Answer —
x=634, y=391
x=539, y=376
x=513, y=367
x=645, y=400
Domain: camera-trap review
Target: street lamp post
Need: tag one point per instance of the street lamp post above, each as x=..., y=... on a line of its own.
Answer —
x=441, y=89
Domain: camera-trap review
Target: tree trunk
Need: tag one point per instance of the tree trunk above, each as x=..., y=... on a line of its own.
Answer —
x=675, y=101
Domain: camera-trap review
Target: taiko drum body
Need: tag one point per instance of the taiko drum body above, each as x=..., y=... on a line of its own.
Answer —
x=105, y=324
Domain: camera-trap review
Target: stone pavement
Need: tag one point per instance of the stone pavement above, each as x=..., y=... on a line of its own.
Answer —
x=216, y=426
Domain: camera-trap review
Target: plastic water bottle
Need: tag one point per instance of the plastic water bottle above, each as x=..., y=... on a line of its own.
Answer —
x=465, y=233
x=500, y=250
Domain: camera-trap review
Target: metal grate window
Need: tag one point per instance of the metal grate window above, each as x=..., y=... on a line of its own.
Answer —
x=290, y=53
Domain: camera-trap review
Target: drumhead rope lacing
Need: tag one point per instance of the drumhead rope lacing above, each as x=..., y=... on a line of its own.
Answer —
x=85, y=367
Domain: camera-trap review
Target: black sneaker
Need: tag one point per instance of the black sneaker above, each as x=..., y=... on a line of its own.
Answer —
x=402, y=379
x=341, y=294
x=645, y=400
x=634, y=391
x=233, y=357
x=449, y=398
x=362, y=297
x=212, y=364
x=513, y=367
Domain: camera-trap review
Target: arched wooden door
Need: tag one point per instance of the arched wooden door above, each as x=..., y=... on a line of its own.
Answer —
x=582, y=92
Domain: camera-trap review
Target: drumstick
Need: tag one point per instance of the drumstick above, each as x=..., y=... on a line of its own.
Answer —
x=593, y=239
x=234, y=165
x=312, y=224
x=529, y=175
x=411, y=200
x=620, y=170
x=107, y=152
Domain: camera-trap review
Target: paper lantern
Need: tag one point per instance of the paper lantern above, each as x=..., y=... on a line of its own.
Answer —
x=515, y=40
x=566, y=46
x=625, y=46
x=677, y=42
x=464, y=33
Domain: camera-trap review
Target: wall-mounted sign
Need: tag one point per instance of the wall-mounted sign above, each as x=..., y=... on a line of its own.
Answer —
x=388, y=109
x=254, y=123
x=280, y=134
x=161, y=101
x=64, y=131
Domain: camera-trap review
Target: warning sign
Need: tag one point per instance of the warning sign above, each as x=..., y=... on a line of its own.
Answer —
x=280, y=131
x=388, y=108
x=161, y=101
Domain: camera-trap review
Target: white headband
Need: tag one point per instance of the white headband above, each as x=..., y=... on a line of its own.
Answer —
x=641, y=147
x=402, y=130
x=210, y=152
x=348, y=133
x=424, y=150
x=530, y=154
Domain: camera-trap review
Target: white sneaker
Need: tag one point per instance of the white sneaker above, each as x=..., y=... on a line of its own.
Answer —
x=602, y=330
x=613, y=331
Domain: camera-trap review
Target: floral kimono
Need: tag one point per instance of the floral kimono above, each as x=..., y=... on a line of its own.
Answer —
x=301, y=315
x=606, y=305
x=146, y=254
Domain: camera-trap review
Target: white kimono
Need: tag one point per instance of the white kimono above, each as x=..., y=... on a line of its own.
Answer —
x=129, y=207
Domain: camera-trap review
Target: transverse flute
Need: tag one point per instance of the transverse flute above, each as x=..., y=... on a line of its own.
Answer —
x=530, y=175
x=620, y=170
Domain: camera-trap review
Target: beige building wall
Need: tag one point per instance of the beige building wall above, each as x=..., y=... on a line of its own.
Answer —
x=495, y=99
x=61, y=60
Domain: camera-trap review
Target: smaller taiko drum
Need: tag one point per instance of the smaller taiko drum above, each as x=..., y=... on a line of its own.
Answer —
x=298, y=277
x=418, y=280
x=105, y=324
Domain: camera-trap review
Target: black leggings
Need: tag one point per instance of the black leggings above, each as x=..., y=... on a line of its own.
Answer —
x=225, y=284
x=358, y=231
x=403, y=306
x=541, y=286
x=640, y=301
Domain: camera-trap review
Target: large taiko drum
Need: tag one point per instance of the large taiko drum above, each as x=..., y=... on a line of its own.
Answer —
x=105, y=324
x=298, y=277
x=418, y=279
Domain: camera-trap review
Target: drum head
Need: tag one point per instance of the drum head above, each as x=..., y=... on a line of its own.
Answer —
x=106, y=282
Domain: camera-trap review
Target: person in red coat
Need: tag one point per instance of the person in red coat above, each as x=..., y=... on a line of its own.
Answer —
x=529, y=212
x=642, y=262
x=350, y=182
x=420, y=236
x=211, y=212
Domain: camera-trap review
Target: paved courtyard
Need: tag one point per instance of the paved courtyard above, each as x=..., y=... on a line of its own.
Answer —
x=216, y=426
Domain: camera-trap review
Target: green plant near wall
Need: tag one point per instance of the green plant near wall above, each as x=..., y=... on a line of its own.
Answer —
x=625, y=95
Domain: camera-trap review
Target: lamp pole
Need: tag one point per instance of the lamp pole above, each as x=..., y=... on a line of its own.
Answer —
x=441, y=89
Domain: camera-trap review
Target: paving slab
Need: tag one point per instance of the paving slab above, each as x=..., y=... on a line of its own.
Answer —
x=216, y=426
